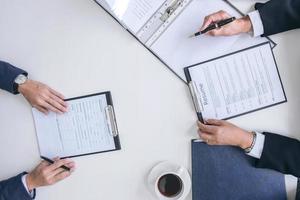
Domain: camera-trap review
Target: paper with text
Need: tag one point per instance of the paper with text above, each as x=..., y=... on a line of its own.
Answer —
x=177, y=50
x=133, y=13
x=238, y=83
x=82, y=130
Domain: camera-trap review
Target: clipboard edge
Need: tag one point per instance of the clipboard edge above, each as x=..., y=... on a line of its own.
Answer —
x=187, y=72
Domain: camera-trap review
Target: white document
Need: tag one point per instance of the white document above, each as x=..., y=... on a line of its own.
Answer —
x=82, y=130
x=177, y=50
x=133, y=13
x=238, y=83
x=111, y=3
x=168, y=38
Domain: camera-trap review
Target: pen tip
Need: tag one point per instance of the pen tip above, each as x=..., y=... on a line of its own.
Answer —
x=191, y=36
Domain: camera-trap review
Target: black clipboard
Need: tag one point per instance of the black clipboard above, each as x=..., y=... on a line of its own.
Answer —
x=116, y=136
x=226, y=1
x=188, y=77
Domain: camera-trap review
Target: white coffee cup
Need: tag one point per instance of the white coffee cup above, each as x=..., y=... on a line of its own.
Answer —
x=168, y=181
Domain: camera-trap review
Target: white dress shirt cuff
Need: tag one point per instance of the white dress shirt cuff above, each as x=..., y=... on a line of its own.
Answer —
x=25, y=185
x=258, y=146
x=257, y=25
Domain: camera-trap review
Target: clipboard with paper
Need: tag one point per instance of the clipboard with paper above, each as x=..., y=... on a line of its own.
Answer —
x=163, y=27
x=88, y=127
x=236, y=84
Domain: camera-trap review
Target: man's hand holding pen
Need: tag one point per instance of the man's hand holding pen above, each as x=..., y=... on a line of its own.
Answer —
x=48, y=174
x=241, y=25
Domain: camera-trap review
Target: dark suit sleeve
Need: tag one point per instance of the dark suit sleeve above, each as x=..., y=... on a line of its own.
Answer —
x=281, y=154
x=8, y=74
x=13, y=189
x=279, y=15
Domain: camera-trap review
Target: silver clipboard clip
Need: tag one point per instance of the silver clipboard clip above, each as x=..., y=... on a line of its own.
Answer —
x=170, y=10
x=111, y=120
x=195, y=97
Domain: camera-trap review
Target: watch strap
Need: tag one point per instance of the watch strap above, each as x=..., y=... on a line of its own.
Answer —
x=16, y=84
x=249, y=149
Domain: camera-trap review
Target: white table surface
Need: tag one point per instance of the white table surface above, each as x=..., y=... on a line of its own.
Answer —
x=76, y=48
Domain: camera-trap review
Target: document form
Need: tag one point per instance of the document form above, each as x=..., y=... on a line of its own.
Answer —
x=237, y=83
x=133, y=13
x=84, y=129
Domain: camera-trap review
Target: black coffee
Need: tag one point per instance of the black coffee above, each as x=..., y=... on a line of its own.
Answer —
x=169, y=185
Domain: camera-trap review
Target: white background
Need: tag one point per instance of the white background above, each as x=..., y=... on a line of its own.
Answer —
x=76, y=48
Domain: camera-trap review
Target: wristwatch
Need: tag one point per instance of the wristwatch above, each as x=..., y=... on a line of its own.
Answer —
x=21, y=79
x=249, y=149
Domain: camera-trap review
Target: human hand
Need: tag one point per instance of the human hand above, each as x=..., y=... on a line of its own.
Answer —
x=220, y=132
x=241, y=25
x=43, y=97
x=48, y=174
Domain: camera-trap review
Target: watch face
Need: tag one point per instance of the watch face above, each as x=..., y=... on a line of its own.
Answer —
x=21, y=79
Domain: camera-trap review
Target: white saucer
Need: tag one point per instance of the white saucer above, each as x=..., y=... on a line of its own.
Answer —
x=168, y=167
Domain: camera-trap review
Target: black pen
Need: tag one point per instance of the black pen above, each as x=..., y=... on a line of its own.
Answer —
x=51, y=161
x=200, y=117
x=214, y=26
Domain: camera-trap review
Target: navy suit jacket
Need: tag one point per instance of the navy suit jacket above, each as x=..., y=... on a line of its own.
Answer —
x=281, y=154
x=8, y=74
x=279, y=15
x=13, y=189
